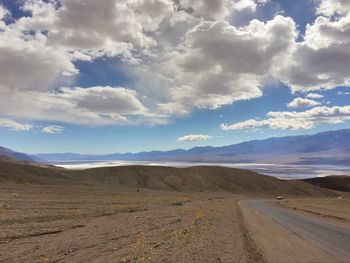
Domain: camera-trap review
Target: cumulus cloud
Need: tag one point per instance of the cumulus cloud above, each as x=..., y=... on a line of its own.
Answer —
x=302, y=103
x=52, y=129
x=105, y=100
x=194, y=137
x=14, y=126
x=292, y=120
x=179, y=55
x=271, y=123
x=343, y=93
x=220, y=64
x=106, y=27
x=38, y=52
x=321, y=61
x=314, y=96
x=333, y=7
x=30, y=64
x=219, y=9
x=152, y=12
x=212, y=9
x=93, y=106
x=3, y=12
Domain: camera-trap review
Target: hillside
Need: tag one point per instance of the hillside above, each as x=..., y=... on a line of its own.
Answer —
x=20, y=172
x=7, y=154
x=339, y=183
x=201, y=178
x=323, y=148
x=161, y=178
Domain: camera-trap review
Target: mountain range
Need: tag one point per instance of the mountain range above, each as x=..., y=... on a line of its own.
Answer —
x=331, y=147
x=7, y=154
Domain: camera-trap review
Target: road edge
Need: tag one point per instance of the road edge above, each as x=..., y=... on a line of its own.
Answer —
x=254, y=253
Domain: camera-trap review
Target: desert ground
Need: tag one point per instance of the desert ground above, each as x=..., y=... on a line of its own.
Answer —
x=112, y=220
x=85, y=224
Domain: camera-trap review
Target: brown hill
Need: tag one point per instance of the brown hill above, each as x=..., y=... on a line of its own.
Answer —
x=22, y=172
x=203, y=178
x=6, y=158
x=339, y=183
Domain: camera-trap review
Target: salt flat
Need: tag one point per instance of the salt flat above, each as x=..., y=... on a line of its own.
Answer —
x=282, y=171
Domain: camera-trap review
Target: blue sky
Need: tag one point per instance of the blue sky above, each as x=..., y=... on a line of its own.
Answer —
x=210, y=77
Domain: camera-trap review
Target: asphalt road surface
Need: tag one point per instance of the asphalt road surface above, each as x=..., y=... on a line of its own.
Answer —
x=330, y=237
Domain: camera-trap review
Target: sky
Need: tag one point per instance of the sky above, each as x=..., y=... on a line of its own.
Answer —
x=109, y=76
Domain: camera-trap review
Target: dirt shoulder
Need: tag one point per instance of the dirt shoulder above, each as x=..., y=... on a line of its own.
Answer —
x=97, y=224
x=277, y=243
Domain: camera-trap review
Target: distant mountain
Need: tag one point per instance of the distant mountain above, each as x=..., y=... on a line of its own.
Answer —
x=153, y=155
x=7, y=154
x=330, y=147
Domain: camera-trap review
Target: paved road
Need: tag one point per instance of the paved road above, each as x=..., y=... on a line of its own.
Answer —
x=332, y=238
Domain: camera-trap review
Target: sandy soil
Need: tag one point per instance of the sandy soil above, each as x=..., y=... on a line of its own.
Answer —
x=101, y=224
x=104, y=223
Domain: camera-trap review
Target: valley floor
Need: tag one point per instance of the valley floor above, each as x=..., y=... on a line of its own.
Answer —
x=105, y=224
x=101, y=224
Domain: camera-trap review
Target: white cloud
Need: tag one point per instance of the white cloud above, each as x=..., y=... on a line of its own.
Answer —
x=247, y=5
x=105, y=100
x=98, y=28
x=14, y=126
x=271, y=123
x=194, y=137
x=52, y=129
x=292, y=120
x=3, y=12
x=92, y=106
x=219, y=9
x=314, y=96
x=321, y=61
x=220, y=64
x=152, y=12
x=179, y=55
x=37, y=55
x=211, y=9
x=333, y=7
x=302, y=103
x=30, y=64
x=343, y=93
x=27, y=62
